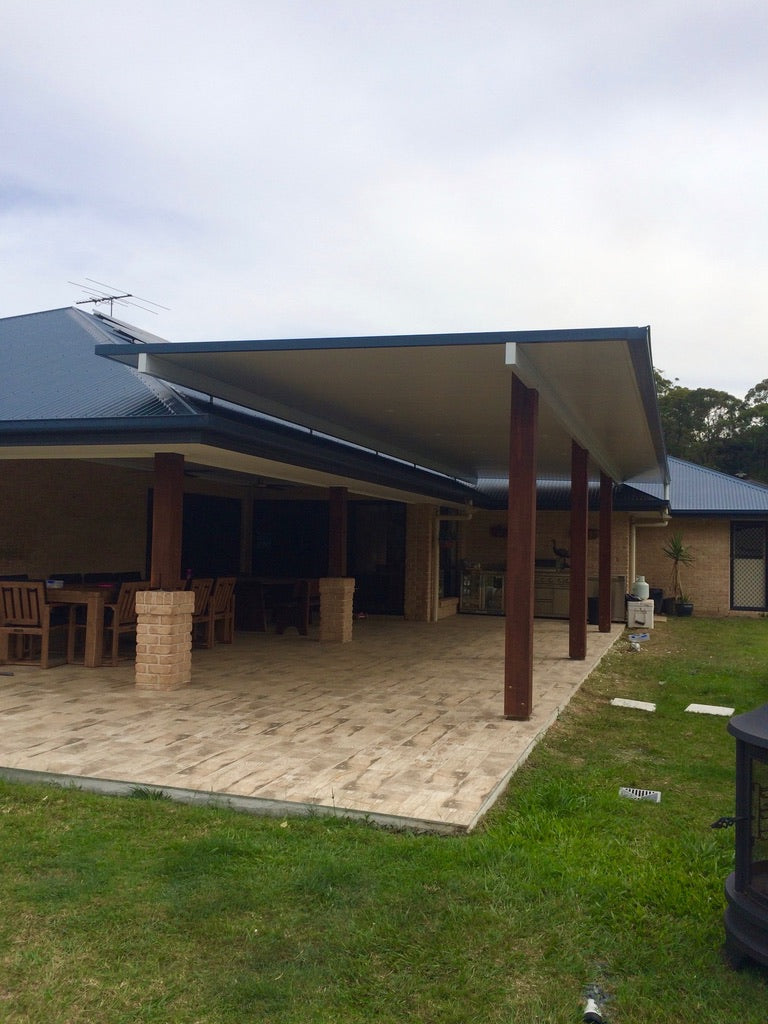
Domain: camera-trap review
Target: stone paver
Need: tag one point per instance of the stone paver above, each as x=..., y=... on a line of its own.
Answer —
x=403, y=724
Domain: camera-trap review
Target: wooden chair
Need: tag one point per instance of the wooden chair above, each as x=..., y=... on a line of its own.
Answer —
x=120, y=616
x=221, y=609
x=298, y=611
x=25, y=613
x=201, y=588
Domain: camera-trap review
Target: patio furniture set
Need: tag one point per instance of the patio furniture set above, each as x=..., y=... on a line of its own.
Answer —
x=95, y=614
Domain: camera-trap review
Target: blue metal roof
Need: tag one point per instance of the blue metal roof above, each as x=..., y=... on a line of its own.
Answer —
x=693, y=491
x=50, y=372
x=698, y=491
x=554, y=494
x=56, y=391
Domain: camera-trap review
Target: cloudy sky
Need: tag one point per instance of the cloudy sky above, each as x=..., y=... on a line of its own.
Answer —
x=290, y=168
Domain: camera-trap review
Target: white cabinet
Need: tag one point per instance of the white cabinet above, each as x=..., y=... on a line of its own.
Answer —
x=552, y=596
x=482, y=593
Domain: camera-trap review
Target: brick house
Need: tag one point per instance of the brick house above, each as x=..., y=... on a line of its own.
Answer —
x=340, y=458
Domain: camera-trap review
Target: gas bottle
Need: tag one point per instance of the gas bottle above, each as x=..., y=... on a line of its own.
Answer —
x=640, y=589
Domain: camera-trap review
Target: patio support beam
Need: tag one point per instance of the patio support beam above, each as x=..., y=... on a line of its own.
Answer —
x=604, y=554
x=577, y=626
x=337, y=531
x=521, y=552
x=167, y=509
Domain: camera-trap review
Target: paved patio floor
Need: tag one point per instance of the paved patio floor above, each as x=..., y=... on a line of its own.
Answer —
x=404, y=724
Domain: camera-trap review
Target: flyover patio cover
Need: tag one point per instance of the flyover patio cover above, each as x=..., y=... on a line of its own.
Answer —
x=517, y=403
x=441, y=401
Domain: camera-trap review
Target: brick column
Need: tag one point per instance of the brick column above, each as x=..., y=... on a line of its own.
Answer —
x=164, y=639
x=336, y=609
x=420, y=526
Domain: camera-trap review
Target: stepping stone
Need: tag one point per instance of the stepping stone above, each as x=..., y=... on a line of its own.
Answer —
x=639, y=705
x=710, y=709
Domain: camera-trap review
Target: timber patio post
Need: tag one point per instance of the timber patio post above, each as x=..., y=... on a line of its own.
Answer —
x=167, y=511
x=521, y=552
x=337, y=531
x=577, y=625
x=604, y=555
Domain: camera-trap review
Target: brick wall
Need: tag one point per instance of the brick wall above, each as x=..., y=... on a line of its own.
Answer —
x=72, y=516
x=480, y=541
x=708, y=580
x=68, y=516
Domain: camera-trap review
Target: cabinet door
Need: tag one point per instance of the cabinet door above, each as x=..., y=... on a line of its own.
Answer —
x=561, y=602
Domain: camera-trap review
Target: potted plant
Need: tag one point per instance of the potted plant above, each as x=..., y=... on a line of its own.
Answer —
x=679, y=554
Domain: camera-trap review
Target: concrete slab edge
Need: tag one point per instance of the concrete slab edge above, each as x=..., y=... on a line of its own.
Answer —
x=547, y=723
x=247, y=804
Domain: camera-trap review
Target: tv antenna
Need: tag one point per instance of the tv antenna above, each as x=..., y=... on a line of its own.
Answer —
x=113, y=295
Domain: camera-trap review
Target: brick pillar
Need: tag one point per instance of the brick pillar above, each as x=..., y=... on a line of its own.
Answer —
x=164, y=639
x=420, y=524
x=336, y=609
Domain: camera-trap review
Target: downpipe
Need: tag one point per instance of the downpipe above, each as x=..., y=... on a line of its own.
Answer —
x=635, y=523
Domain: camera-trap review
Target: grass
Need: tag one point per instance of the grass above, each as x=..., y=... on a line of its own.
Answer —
x=119, y=911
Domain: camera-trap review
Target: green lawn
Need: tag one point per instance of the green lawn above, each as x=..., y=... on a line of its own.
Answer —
x=116, y=910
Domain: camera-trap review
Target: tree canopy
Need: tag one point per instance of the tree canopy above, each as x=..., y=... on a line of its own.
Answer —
x=715, y=429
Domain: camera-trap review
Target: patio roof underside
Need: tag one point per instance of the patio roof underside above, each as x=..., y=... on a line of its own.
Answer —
x=441, y=402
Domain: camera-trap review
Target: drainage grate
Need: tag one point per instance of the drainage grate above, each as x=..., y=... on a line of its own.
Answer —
x=640, y=794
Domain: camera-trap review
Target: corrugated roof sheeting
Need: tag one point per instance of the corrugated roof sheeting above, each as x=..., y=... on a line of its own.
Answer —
x=555, y=494
x=696, y=490
x=693, y=490
x=50, y=373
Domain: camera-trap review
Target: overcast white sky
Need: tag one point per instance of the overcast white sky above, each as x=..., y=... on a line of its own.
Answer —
x=290, y=168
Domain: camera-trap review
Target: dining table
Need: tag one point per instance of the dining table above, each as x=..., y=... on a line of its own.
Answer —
x=255, y=596
x=93, y=597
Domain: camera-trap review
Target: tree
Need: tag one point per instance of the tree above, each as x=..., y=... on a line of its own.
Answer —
x=715, y=429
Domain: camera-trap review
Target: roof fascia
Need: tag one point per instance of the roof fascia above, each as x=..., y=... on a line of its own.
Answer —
x=275, y=442
x=129, y=353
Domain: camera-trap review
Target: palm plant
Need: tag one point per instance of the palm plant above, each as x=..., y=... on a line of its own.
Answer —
x=679, y=554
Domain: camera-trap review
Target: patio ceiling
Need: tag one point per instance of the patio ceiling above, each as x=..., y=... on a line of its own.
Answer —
x=440, y=401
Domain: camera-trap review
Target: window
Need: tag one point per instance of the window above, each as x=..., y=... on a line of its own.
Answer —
x=748, y=566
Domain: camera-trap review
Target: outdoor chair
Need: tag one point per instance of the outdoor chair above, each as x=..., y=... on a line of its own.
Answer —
x=119, y=619
x=221, y=609
x=26, y=614
x=201, y=588
x=298, y=611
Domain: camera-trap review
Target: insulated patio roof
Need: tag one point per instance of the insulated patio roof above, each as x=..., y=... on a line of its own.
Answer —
x=440, y=401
